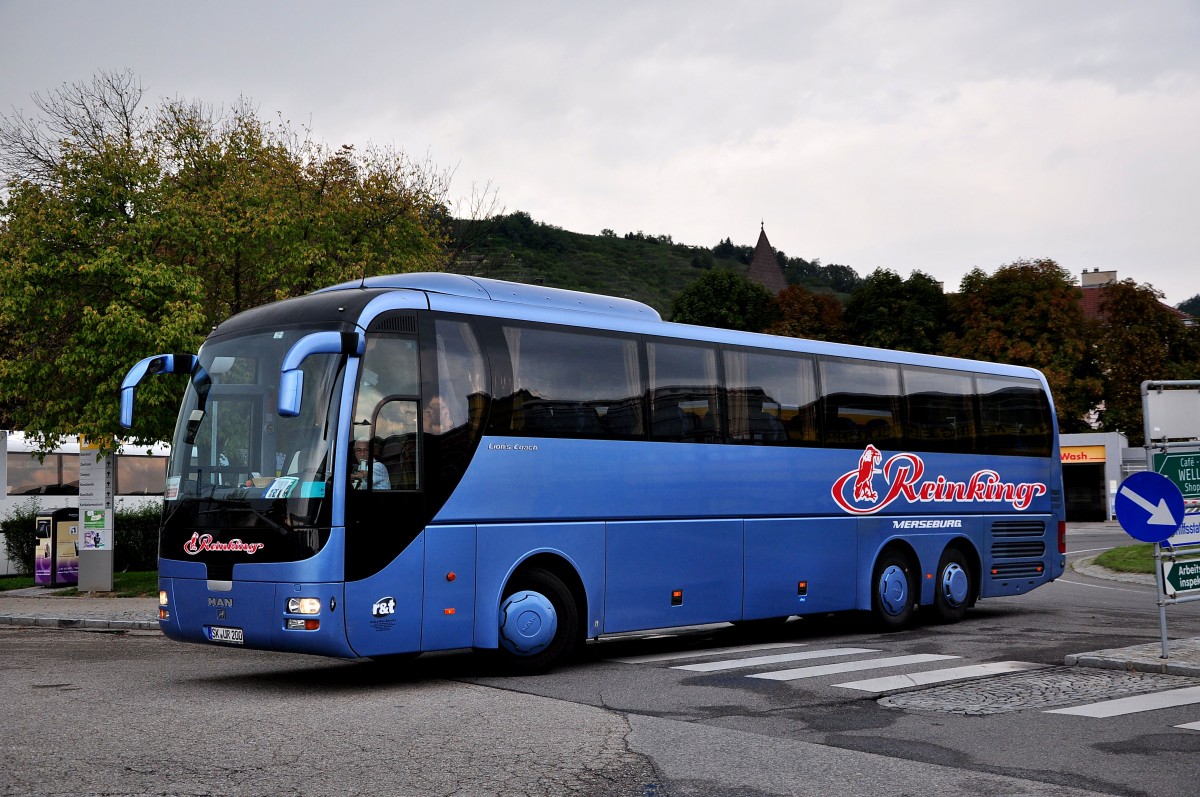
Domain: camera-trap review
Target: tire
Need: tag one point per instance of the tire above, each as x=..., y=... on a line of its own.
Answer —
x=539, y=622
x=892, y=591
x=953, y=590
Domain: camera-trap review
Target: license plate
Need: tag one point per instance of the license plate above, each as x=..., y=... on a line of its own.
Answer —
x=230, y=636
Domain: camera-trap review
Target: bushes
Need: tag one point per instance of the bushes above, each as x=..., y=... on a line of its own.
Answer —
x=135, y=530
x=20, y=536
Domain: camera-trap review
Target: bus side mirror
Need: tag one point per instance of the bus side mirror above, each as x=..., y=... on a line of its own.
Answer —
x=151, y=366
x=291, y=378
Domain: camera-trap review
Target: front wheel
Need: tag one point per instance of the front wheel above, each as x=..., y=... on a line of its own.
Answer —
x=539, y=621
x=953, y=592
x=892, y=590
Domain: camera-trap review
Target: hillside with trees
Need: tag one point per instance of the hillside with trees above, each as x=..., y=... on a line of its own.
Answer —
x=649, y=268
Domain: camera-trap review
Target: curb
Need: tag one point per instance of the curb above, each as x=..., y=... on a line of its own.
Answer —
x=80, y=623
x=1160, y=667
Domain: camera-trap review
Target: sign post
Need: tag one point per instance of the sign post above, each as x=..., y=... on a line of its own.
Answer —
x=1150, y=508
x=95, y=519
x=1171, y=422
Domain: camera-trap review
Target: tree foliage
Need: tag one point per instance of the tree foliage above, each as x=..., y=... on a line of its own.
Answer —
x=1139, y=338
x=1191, y=306
x=800, y=313
x=726, y=300
x=1028, y=313
x=128, y=232
x=893, y=313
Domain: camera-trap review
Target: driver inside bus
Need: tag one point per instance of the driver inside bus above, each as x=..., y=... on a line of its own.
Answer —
x=378, y=480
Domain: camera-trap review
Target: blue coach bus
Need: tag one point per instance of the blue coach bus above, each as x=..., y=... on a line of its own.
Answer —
x=426, y=462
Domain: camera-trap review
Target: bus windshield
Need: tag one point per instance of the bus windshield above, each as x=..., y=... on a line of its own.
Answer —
x=235, y=463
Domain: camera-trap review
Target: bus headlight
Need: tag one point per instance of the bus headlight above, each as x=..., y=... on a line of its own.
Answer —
x=304, y=606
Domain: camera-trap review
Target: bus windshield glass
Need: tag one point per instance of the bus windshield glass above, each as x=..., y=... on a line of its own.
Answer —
x=235, y=462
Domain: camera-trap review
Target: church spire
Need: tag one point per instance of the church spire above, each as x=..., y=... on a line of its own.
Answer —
x=764, y=268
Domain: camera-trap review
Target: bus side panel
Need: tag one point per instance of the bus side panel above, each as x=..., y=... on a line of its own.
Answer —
x=448, y=617
x=647, y=561
x=926, y=536
x=782, y=553
x=502, y=548
x=383, y=612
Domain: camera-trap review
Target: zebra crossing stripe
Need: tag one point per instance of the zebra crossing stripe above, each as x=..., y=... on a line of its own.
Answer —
x=849, y=666
x=758, y=661
x=693, y=654
x=1132, y=705
x=1191, y=726
x=892, y=682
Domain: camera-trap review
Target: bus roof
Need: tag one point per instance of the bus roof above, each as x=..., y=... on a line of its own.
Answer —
x=513, y=292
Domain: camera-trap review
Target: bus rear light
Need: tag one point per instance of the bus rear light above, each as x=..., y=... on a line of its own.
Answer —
x=1062, y=536
x=163, y=599
x=676, y=597
x=163, y=614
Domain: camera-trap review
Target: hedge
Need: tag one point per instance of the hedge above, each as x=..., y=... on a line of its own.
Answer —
x=135, y=532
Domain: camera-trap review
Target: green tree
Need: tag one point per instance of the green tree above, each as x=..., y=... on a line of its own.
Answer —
x=126, y=232
x=1028, y=313
x=893, y=313
x=1190, y=306
x=1140, y=338
x=724, y=299
x=800, y=313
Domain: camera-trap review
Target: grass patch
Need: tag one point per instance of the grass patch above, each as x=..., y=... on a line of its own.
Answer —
x=15, y=582
x=137, y=584
x=1129, y=558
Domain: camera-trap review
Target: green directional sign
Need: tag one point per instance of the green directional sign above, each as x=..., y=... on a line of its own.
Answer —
x=1181, y=577
x=1183, y=469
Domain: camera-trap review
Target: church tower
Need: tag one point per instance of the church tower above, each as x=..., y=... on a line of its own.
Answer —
x=764, y=268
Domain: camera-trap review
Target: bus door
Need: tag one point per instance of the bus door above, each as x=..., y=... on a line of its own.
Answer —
x=413, y=429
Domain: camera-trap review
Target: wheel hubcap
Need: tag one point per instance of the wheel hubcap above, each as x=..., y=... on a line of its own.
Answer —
x=955, y=584
x=893, y=590
x=528, y=623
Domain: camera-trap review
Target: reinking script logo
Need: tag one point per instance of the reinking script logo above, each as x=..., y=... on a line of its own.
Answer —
x=200, y=543
x=904, y=478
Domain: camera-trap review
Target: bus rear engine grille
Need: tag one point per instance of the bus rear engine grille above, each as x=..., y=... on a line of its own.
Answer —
x=1013, y=529
x=1018, y=549
x=1006, y=570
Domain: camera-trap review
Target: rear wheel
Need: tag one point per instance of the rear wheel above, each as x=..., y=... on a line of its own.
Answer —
x=892, y=593
x=953, y=591
x=539, y=621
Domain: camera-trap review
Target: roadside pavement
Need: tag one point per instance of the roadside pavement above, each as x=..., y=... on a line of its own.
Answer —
x=40, y=607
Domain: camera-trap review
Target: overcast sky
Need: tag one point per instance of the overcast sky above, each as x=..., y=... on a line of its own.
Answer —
x=931, y=136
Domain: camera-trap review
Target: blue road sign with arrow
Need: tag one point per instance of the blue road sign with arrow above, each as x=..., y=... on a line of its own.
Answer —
x=1149, y=506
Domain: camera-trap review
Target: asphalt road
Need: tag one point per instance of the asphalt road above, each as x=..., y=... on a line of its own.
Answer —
x=131, y=713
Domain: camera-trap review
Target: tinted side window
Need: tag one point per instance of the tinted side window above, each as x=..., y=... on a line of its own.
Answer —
x=57, y=474
x=1014, y=417
x=772, y=398
x=384, y=453
x=571, y=384
x=941, y=414
x=861, y=403
x=140, y=475
x=683, y=392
